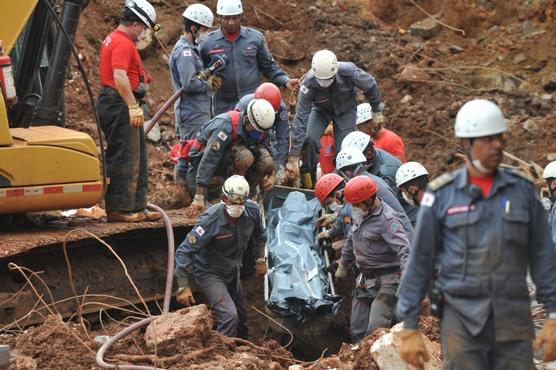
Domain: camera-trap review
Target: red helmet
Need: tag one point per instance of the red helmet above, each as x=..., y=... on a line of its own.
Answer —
x=359, y=189
x=271, y=93
x=326, y=185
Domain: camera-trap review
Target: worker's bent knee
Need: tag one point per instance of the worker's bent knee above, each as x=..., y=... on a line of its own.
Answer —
x=242, y=159
x=265, y=163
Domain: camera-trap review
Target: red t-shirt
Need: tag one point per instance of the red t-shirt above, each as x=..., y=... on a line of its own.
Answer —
x=231, y=36
x=392, y=143
x=118, y=52
x=485, y=183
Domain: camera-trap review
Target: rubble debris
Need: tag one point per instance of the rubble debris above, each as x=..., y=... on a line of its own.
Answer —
x=425, y=28
x=412, y=73
x=531, y=127
x=455, y=49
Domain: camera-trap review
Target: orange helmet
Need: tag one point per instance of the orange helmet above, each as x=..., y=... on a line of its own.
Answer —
x=359, y=189
x=326, y=185
x=271, y=93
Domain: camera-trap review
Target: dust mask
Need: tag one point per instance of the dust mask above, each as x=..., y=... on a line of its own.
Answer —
x=358, y=213
x=142, y=35
x=408, y=198
x=325, y=83
x=235, y=210
x=200, y=37
x=334, y=206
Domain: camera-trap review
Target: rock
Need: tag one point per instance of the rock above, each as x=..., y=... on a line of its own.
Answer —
x=163, y=331
x=548, y=82
x=531, y=127
x=546, y=97
x=406, y=99
x=551, y=157
x=425, y=28
x=493, y=79
x=22, y=362
x=412, y=73
x=385, y=352
x=529, y=29
x=519, y=58
x=454, y=49
x=154, y=135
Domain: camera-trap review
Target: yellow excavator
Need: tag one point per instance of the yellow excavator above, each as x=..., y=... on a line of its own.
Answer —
x=43, y=165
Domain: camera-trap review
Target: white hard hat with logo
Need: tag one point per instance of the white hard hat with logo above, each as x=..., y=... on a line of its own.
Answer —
x=549, y=171
x=200, y=14
x=479, y=118
x=409, y=171
x=236, y=188
x=145, y=11
x=349, y=156
x=357, y=139
x=261, y=114
x=324, y=64
x=229, y=7
x=364, y=113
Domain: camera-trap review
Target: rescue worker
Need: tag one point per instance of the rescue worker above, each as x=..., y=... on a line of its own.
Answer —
x=329, y=191
x=213, y=250
x=121, y=118
x=379, y=246
x=280, y=135
x=233, y=142
x=350, y=162
x=382, y=138
x=549, y=174
x=328, y=93
x=379, y=162
x=484, y=227
x=412, y=179
x=192, y=109
x=248, y=55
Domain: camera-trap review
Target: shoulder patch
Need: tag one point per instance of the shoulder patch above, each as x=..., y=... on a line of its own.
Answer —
x=192, y=239
x=520, y=174
x=215, y=146
x=304, y=89
x=441, y=181
x=356, y=74
x=222, y=136
x=187, y=53
x=428, y=200
x=394, y=227
x=199, y=230
x=283, y=115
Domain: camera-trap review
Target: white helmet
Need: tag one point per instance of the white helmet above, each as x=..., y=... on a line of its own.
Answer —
x=479, y=118
x=356, y=139
x=549, y=170
x=349, y=157
x=364, y=113
x=144, y=10
x=229, y=7
x=409, y=171
x=261, y=114
x=324, y=64
x=200, y=14
x=236, y=188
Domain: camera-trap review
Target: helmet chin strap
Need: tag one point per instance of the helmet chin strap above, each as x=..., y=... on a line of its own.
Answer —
x=476, y=163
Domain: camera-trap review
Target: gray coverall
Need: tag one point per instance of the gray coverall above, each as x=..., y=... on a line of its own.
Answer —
x=213, y=252
x=249, y=57
x=380, y=248
x=552, y=220
x=223, y=155
x=279, y=136
x=192, y=109
x=483, y=248
x=317, y=106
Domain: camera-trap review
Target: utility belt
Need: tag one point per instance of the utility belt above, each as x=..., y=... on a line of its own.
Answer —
x=139, y=92
x=381, y=272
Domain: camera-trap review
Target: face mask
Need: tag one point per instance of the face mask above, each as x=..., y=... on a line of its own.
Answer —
x=408, y=198
x=358, y=213
x=142, y=35
x=200, y=37
x=235, y=210
x=325, y=83
x=255, y=135
x=333, y=206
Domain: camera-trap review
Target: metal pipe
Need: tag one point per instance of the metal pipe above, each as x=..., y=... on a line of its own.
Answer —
x=165, y=308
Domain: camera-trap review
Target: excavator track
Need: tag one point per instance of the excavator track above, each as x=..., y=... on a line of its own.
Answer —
x=95, y=270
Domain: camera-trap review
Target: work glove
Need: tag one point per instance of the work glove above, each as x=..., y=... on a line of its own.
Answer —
x=268, y=182
x=326, y=220
x=378, y=118
x=412, y=348
x=185, y=297
x=136, y=115
x=324, y=235
x=215, y=82
x=281, y=175
x=547, y=340
x=198, y=203
x=341, y=272
x=260, y=267
x=292, y=167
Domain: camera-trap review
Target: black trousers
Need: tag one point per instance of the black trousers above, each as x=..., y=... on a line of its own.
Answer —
x=126, y=155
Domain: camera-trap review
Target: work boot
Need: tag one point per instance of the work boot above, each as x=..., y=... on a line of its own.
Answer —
x=150, y=215
x=125, y=216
